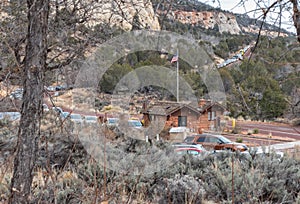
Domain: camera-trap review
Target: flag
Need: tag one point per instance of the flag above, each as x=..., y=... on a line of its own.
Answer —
x=174, y=59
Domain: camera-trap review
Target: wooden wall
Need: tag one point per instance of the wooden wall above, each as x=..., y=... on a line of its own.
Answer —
x=205, y=123
x=196, y=122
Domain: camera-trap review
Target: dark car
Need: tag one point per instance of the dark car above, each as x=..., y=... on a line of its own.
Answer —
x=215, y=142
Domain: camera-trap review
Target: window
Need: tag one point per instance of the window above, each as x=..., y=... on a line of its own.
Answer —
x=213, y=140
x=182, y=121
x=192, y=152
x=188, y=139
x=211, y=115
x=201, y=139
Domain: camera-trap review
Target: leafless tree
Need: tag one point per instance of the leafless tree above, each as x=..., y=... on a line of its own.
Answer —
x=58, y=31
x=272, y=11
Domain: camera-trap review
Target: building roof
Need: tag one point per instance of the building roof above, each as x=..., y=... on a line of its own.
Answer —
x=168, y=108
x=209, y=105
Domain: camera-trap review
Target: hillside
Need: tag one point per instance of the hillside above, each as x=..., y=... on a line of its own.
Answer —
x=196, y=13
x=221, y=34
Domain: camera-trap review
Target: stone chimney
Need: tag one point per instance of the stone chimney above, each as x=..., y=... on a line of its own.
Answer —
x=201, y=103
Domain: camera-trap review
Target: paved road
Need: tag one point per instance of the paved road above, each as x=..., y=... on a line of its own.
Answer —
x=253, y=141
x=276, y=129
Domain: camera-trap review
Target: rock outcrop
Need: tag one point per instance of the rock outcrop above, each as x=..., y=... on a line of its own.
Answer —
x=127, y=13
x=225, y=22
x=221, y=21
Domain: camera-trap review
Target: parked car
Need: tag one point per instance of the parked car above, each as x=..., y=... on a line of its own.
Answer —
x=60, y=87
x=215, y=142
x=65, y=114
x=186, y=145
x=11, y=116
x=135, y=123
x=238, y=56
x=246, y=48
x=57, y=109
x=112, y=122
x=76, y=118
x=51, y=88
x=17, y=94
x=45, y=107
x=189, y=150
x=90, y=119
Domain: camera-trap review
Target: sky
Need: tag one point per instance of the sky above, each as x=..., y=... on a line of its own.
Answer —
x=254, y=10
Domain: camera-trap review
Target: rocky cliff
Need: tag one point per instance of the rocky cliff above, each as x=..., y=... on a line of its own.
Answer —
x=128, y=13
x=225, y=22
x=220, y=20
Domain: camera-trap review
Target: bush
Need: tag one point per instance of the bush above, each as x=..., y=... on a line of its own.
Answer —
x=239, y=140
x=258, y=179
x=255, y=131
x=296, y=122
x=70, y=175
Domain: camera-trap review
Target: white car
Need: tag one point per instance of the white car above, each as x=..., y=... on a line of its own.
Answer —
x=90, y=119
x=112, y=122
x=45, y=107
x=65, y=114
x=76, y=118
x=12, y=116
x=184, y=145
x=17, y=94
x=135, y=124
x=57, y=109
x=51, y=88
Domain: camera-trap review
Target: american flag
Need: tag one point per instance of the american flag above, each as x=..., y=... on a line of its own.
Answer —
x=174, y=59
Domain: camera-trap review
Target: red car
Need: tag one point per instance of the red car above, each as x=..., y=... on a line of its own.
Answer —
x=215, y=142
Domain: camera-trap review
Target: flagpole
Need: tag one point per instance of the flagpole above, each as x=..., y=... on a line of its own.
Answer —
x=177, y=76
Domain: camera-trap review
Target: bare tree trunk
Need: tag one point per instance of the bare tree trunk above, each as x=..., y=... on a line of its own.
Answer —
x=296, y=17
x=31, y=112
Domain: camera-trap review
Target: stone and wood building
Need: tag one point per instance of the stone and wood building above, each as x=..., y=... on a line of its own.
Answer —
x=206, y=116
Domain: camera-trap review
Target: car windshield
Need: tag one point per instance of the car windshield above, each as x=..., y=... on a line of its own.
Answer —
x=224, y=140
